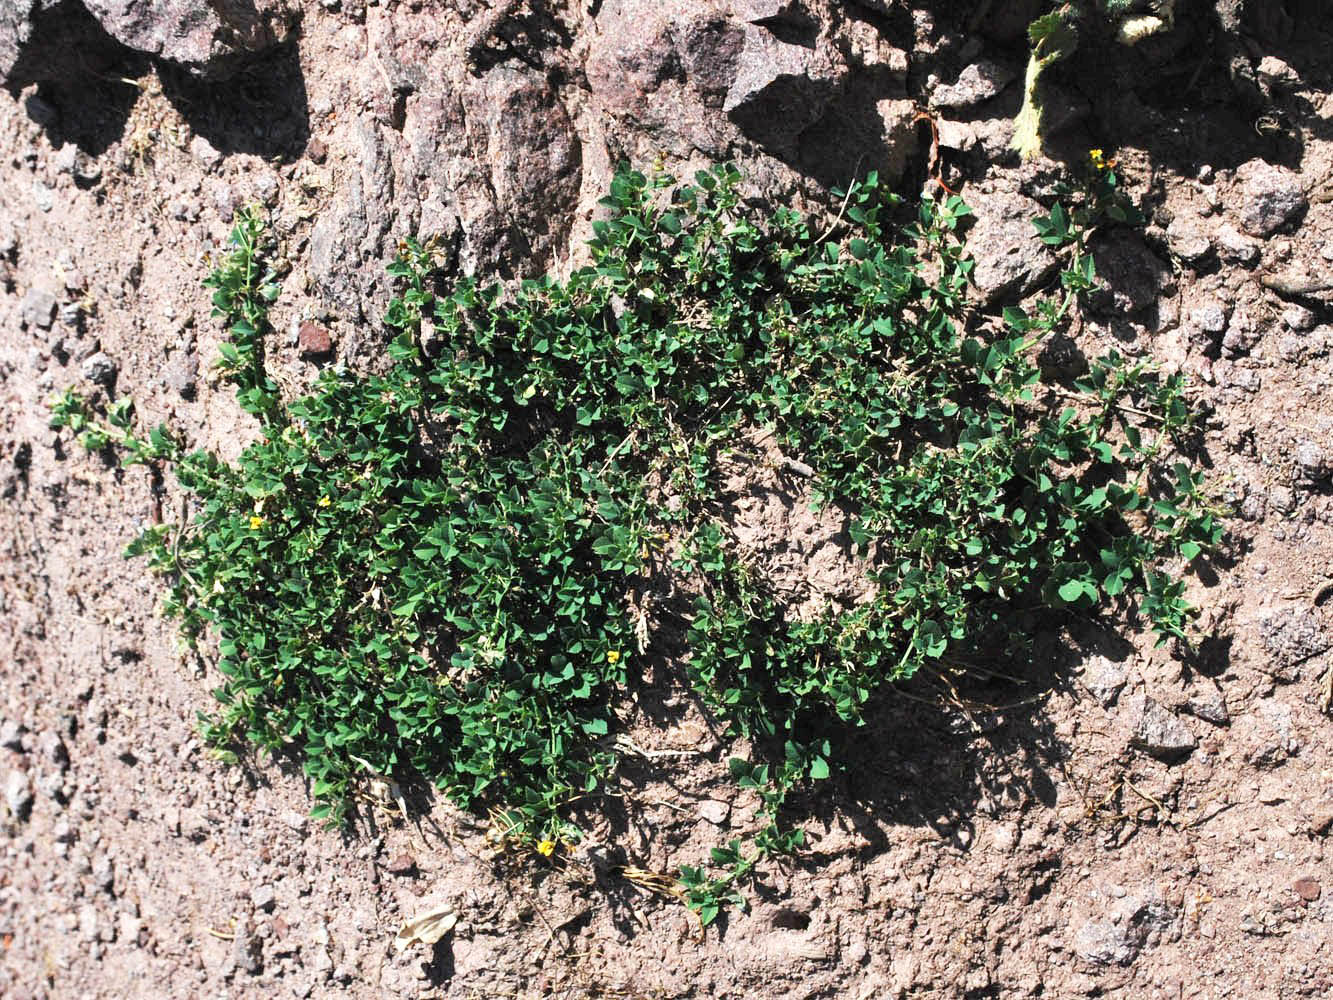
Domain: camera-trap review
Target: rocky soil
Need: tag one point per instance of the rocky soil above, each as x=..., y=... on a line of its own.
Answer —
x=1134, y=822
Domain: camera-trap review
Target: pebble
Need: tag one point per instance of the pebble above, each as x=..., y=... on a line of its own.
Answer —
x=314, y=341
x=1298, y=318
x=1187, y=240
x=1158, y=732
x=100, y=370
x=11, y=736
x=182, y=374
x=264, y=898
x=43, y=197
x=205, y=152
x=714, y=811
x=1234, y=247
x=1105, y=678
x=1211, y=317
x=1207, y=702
x=38, y=308
x=1307, y=888
x=403, y=864
x=18, y=795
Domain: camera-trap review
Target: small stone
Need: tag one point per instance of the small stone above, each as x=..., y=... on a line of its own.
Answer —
x=320, y=962
x=38, y=308
x=1008, y=260
x=1307, y=888
x=1321, y=818
x=1271, y=792
x=1105, y=678
x=1312, y=460
x=317, y=150
x=205, y=152
x=297, y=821
x=1292, y=637
x=1283, y=499
x=18, y=795
x=101, y=370
x=1274, y=71
x=1211, y=317
x=51, y=748
x=403, y=864
x=88, y=923
x=11, y=736
x=1101, y=942
x=266, y=187
x=264, y=898
x=1272, y=196
x=247, y=949
x=129, y=929
x=182, y=374
x=1266, y=734
x=43, y=197
x=956, y=135
x=1207, y=702
x=1234, y=247
x=1187, y=240
x=1298, y=318
x=1158, y=732
x=714, y=811
x=780, y=89
x=314, y=341
x=1242, y=334
x=976, y=84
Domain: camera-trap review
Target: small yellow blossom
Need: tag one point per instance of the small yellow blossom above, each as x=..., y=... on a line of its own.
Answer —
x=546, y=848
x=256, y=522
x=613, y=656
x=324, y=501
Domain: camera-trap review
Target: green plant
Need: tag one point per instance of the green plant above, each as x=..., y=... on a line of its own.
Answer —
x=436, y=570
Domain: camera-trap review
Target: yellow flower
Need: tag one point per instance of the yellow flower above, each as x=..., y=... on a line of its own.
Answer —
x=546, y=848
x=613, y=656
x=256, y=522
x=324, y=501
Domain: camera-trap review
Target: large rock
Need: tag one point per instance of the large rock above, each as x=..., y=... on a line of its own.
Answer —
x=1130, y=277
x=16, y=27
x=1271, y=197
x=210, y=38
x=782, y=89
x=1009, y=257
x=976, y=84
x=207, y=38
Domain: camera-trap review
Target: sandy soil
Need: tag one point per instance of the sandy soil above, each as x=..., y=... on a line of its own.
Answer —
x=1135, y=823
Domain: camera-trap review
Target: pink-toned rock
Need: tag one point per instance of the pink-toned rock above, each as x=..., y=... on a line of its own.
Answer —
x=314, y=341
x=1307, y=888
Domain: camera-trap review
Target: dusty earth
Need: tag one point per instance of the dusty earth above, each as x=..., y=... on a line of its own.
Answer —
x=1117, y=821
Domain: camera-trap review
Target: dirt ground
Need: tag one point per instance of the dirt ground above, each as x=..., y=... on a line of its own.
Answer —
x=1136, y=823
